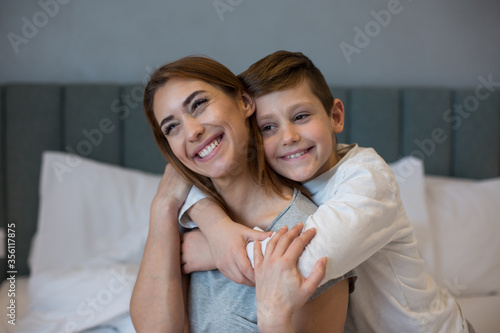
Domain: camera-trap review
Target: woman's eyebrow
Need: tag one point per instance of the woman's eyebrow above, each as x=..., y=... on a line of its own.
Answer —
x=190, y=97
x=184, y=104
x=165, y=120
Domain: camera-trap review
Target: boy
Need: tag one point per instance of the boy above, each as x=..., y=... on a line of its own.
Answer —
x=360, y=222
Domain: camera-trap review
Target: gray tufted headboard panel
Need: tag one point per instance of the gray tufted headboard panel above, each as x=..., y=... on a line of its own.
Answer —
x=456, y=132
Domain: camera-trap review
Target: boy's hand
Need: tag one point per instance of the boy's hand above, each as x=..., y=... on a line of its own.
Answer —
x=172, y=188
x=195, y=253
x=227, y=241
x=280, y=289
x=171, y=193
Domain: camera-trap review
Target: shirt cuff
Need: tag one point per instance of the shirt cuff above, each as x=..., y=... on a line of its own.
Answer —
x=193, y=197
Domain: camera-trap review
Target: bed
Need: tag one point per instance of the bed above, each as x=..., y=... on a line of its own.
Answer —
x=79, y=167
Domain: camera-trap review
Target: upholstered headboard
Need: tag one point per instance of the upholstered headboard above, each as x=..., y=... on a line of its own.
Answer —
x=456, y=133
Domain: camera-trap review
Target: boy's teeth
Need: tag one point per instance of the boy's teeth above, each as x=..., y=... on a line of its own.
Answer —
x=208, y=149
x=296, y=155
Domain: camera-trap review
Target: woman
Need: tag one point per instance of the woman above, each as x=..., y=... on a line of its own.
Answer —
x=200, y=114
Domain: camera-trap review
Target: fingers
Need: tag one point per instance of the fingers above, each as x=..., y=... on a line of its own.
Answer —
x=237, y=268
x=170, y=172
x=172, y=189
x=271, y=245
x=258, y=257
x=297, y=246
x=289, y=243
x=236, y=276
x=317, y=275
x=256, y=235
x=245, y=267
x=287, y=238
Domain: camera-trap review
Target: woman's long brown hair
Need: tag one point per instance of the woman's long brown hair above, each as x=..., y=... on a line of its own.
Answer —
x=214, y=73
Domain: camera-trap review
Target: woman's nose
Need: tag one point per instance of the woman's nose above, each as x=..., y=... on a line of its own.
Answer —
x=194, y=130
x=290, y=135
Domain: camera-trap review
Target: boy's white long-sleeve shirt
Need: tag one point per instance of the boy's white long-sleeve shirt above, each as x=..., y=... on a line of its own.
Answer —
x=361, y=223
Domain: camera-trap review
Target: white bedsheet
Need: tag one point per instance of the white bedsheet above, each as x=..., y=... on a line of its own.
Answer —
x=75, y=299
x=482, y=312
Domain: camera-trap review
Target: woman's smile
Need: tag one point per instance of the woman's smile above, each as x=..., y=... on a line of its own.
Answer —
x=210, y=149
x=203, y=126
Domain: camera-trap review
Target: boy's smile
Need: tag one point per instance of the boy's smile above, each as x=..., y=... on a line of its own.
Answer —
x=298, y=134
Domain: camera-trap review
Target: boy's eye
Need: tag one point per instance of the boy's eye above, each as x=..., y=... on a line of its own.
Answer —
x=266, y=128
x=301, y=116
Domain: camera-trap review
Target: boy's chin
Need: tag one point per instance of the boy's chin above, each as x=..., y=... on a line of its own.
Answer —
x=298, y=176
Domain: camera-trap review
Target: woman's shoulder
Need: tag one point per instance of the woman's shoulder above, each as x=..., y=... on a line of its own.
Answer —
x=303, y=204
x=298, y=210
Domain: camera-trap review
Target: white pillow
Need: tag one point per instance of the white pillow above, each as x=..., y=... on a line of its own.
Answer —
x=465, y=219
x=90, y=212
x=409, y=173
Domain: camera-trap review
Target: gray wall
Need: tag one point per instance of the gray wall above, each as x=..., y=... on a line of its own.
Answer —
x=423, y=43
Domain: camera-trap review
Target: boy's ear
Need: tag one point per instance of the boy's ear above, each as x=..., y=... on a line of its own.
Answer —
x=337, y=116
x=248, y=103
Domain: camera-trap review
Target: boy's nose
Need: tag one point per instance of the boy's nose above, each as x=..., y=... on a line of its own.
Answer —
x=289, y=136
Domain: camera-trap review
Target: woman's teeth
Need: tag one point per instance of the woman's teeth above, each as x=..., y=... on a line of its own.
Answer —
x=209, y=148
x=296, y=155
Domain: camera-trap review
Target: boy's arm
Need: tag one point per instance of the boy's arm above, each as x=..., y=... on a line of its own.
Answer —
x=226, y=239
x=195, y=253
x=358, y=220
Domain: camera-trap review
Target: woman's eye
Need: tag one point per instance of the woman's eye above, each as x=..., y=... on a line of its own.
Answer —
x=167, y=129
x=196, y=104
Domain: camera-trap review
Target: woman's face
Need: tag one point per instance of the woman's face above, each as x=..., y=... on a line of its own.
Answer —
x=206, y=128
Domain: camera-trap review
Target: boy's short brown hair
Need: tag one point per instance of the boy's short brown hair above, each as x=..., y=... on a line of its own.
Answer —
x=219, y=76
x=282, y=70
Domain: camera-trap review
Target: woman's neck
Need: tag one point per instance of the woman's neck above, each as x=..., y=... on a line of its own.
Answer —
x=251, y=204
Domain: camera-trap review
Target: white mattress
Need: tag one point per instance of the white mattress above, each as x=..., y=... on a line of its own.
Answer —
x=482, y=312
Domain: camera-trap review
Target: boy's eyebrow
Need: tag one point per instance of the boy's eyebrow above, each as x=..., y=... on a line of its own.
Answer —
x=299, y=104
x=265, y=117
x=288, y=108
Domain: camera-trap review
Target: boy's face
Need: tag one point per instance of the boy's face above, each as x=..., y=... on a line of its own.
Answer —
x=298, y=134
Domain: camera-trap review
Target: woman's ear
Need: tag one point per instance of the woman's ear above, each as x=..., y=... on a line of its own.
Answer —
x=248, y=103
x=337, y=116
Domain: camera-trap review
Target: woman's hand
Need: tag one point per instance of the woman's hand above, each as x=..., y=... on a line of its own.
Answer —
x=280, y=289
